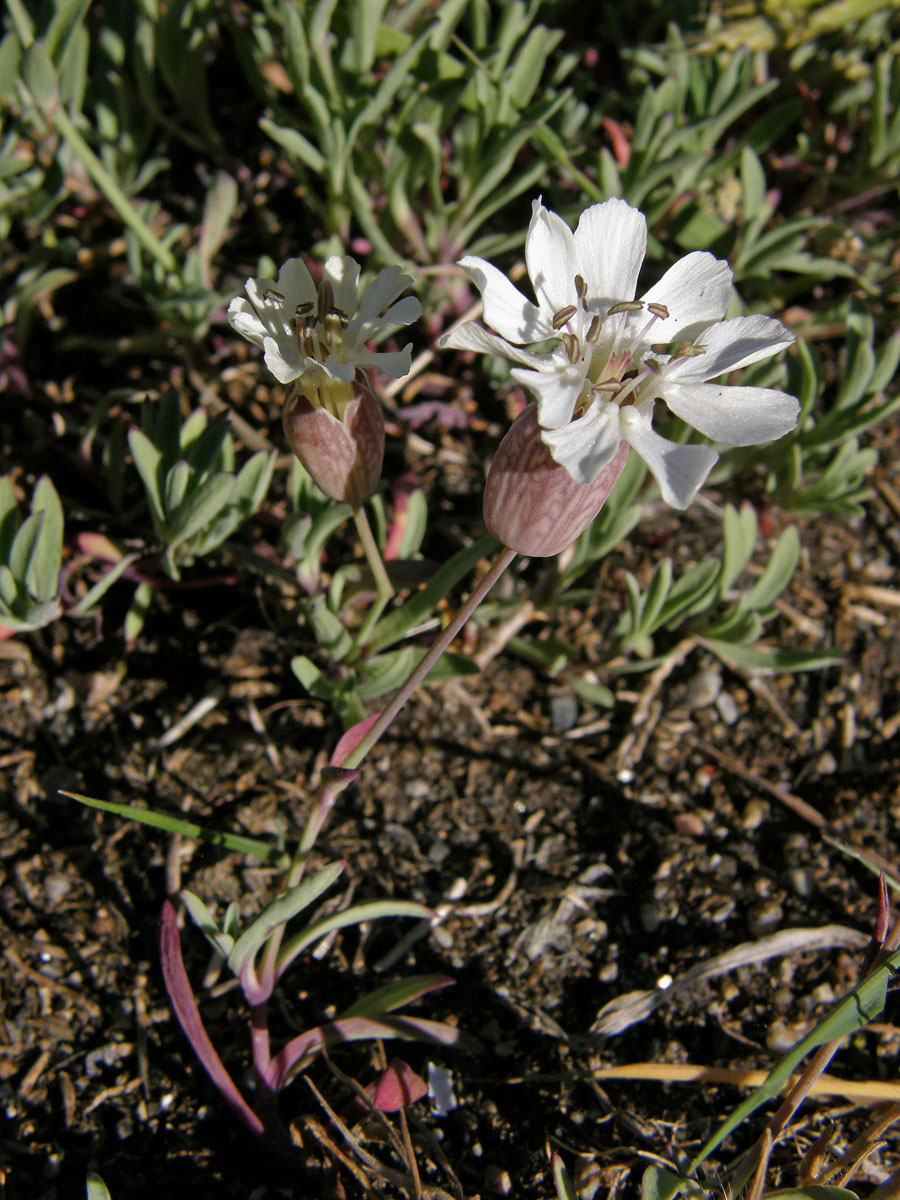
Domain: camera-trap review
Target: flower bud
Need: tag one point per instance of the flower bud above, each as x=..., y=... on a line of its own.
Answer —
x=343, y=456
x=531, y=503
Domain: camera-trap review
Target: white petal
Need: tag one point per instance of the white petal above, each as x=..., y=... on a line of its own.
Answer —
x=680, y=470
x=695, y=290
x=242, y=318
x=396, y=362
x=505, y=308
x=610, y=243
x=733, y=344
x=380, y=294
x=341, y=368
x=342, y=272
x=473, y=336
x=404, y=312
x=550, y=258
x=556, y=392
x=256, y=290
x=587, y=445
x=295, y=283
x=285, y=367
x=735, y=416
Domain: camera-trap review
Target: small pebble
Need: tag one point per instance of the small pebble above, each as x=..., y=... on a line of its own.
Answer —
x=755, y=812
x=727, y=707
x=764, y=917
x=563, y=712
x=801, y=881
x=689, y=824
x=497, y=1180
x=703, y=688
x=826, y=764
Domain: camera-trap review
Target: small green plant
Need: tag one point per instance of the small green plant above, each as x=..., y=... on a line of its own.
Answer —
x=187, y=469
x=31, y=562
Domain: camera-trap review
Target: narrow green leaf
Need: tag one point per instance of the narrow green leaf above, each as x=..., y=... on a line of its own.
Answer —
x=24, y=545
x=43, y=575
x=203, y=919
x=297, y=146
x=416, y=523
x=753, y=183
x=200, y=509
x=39, y=76
x=279, y=911
x=395, y=626
x=253, y=847
x=92, y=598
x=693, y=591
x=10, y=59
x=739, y=529
x=773, y=660
x=656, y=596
x=778, y=572
x=395, y=995
x=148, y=461
x=373, y=910
x=66, y=21
x=312, y=678
x=252, y=482
x=176, y=486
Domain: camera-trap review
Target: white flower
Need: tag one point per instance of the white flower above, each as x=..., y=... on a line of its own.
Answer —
x=315, y=334
x=611, y=356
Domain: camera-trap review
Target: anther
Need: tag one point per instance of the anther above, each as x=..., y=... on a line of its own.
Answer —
x=687, y=350
x=593, y=332
x=304, y=309
x=324, y=299
x=564, y=315
x=272, y=296
x=626, y=306
x=573, y=347
x=342, y=317
x=580, y=288
x=658, y=310
x=607, y=385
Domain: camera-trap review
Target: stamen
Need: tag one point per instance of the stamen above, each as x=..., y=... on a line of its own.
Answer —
x=309, y=342
x=686, y=350
x=564, y=316
x=573, y=347
x=324, y=299
x=332, y=325
x=342, y=317
x=658, y=310
x=607, y=385
x=625, y=306
x=271, y=296
x=580, y=288
x=593, y=332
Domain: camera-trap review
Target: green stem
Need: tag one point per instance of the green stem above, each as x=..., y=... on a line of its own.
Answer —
x=501, y=562
x=22, y=22
x=383, y=587
x=329, y=791
x=112, y=191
